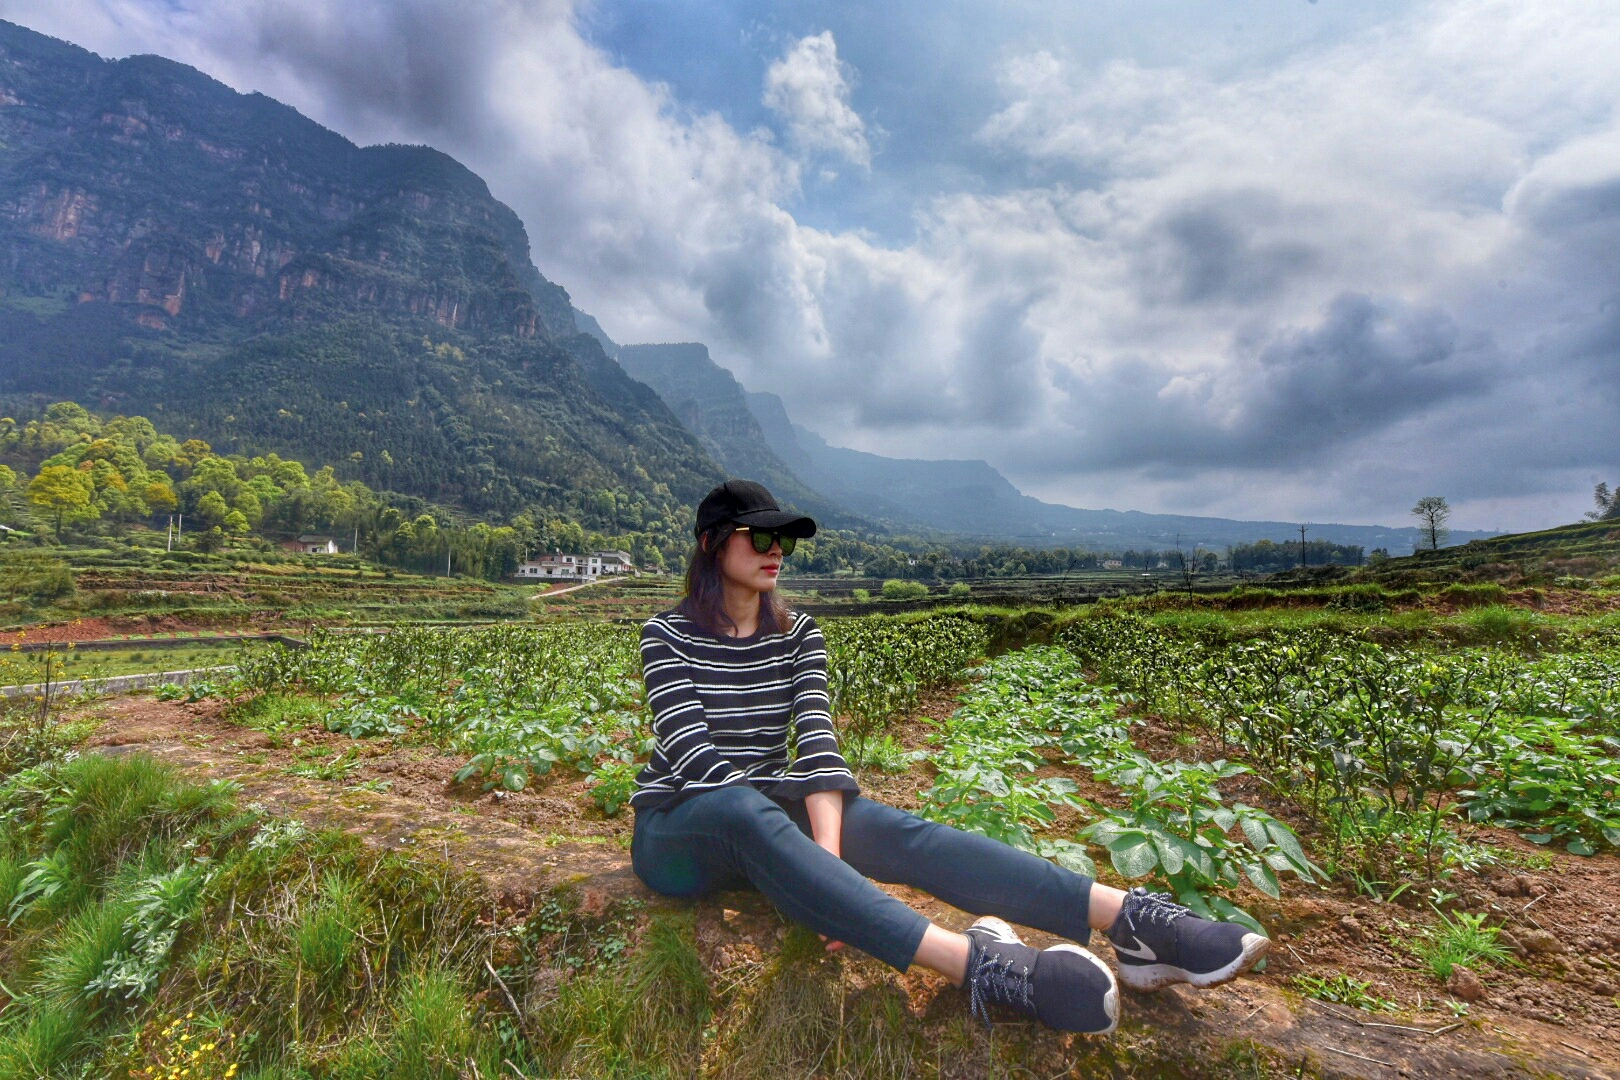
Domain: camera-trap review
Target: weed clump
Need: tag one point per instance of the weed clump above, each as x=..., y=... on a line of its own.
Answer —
x=1460, y=940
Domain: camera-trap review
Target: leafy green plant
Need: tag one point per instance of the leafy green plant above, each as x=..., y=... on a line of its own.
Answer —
x=42, y=879
x=986, y=787
x=1546, y=778
x=877, y=669
x=1178, y=829
x=884, y=755
x=193, y=691
x=612, y=784
x=364, y=716
x=162, y=904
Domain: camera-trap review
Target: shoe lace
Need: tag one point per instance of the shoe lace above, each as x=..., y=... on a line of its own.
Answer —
x=1143, y=908
x=998, y=980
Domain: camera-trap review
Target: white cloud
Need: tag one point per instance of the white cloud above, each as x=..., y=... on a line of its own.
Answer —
x=809, y=88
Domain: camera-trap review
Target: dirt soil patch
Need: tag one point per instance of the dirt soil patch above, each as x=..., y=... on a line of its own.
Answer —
x=1554, y=1012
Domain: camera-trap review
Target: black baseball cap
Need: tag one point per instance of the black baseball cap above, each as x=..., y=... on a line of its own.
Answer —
x=748, y=503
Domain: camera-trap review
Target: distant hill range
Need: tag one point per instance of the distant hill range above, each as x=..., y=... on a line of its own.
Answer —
x=752, y=434
x=169, y=246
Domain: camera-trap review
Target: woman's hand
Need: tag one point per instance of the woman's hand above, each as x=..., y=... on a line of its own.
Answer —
x=826, y=811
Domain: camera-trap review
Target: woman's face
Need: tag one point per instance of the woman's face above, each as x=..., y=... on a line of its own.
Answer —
x=741, y=565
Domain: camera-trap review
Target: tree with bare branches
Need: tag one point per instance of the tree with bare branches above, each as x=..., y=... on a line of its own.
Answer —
x=1432, y=513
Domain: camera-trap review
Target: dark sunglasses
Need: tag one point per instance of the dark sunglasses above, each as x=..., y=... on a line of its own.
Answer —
x=762, y=540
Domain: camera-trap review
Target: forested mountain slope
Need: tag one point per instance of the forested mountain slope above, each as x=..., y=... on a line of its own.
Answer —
x=170, y=246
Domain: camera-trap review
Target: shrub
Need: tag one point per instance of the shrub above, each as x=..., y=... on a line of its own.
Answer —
x=895, y=589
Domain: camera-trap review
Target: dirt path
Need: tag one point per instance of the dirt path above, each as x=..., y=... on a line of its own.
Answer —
x=1554, y=1014
x=565, y=590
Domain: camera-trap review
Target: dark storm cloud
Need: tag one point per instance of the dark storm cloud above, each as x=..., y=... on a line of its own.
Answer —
x=1369, y=364
x=1296, y=395
x=1570, y=215
x=1218, y=253
x=992, y=381
x=415, y=66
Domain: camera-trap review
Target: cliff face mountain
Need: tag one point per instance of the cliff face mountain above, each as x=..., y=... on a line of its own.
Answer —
x=169, y=244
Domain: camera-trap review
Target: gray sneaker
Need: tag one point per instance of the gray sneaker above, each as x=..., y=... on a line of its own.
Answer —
x=1159, y=942
x=1064, y=987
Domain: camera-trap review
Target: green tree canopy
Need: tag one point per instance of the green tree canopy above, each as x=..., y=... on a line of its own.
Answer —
x=65, y=493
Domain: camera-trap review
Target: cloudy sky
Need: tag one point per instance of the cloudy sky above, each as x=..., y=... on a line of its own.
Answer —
x=1298, y=259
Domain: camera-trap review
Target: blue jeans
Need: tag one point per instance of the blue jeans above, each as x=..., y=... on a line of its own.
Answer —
x=734, y=837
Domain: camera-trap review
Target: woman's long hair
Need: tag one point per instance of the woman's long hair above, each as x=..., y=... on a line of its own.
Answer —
x=704, y=602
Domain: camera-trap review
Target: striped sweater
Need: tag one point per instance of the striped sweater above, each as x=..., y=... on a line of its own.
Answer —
x=723, y=710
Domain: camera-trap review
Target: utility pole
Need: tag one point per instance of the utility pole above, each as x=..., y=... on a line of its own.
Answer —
x=447, y=560
x=168, y=535
x=181, y=531
x=1302, y=547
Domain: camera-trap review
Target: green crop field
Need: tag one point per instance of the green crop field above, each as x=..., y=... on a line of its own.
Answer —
x=1241, y=754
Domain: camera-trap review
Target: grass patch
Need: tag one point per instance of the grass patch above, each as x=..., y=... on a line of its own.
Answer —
x=1343, y=989
x=276, y=712
x=335, y=769
x=1460, y=940
x=141, y=899
x=37, y=1046
x=79, y=952
x=434, y=1034
x=1502, y=624
x=642, y=1014
x=799, y=1015
x=325, y=937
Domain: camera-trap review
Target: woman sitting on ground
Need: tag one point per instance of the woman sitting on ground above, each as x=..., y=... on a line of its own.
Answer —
x=729, y=673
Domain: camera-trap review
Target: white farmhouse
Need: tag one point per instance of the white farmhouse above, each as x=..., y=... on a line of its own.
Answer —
x=612, y=562
x=310, y=544
x=559, y=567
x=552, y=567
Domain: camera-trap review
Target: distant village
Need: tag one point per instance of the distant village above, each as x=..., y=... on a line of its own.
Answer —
x=554, y=567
